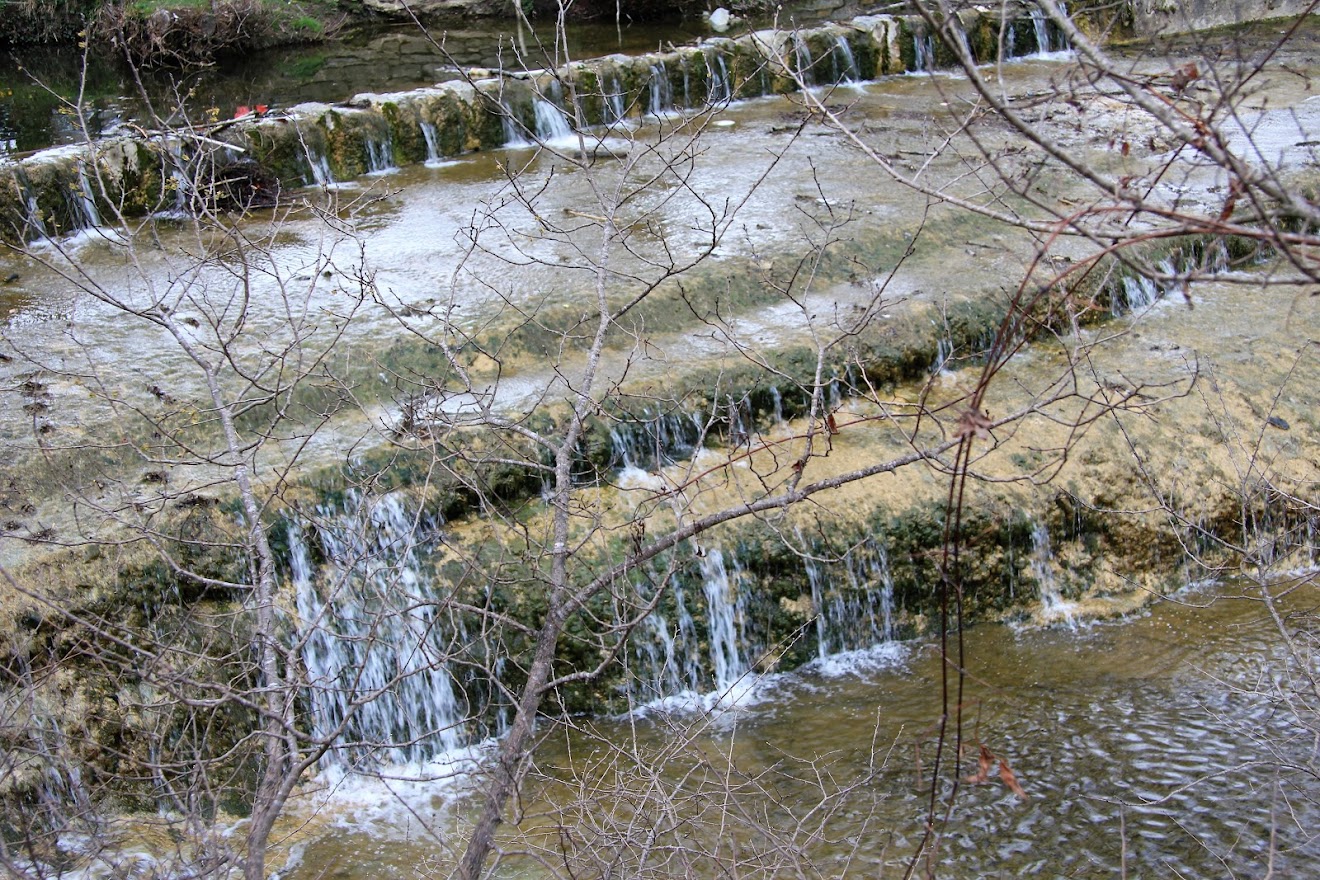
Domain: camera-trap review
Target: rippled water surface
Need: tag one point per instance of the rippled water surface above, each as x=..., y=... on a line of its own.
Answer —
x=1150, y=745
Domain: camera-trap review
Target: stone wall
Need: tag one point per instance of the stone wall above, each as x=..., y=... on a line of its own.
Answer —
x=1154, y=17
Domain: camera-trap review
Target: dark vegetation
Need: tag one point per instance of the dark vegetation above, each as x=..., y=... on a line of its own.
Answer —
x=169, y=32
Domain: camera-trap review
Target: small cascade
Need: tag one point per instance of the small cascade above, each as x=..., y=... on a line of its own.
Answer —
x=806, y=66
x=853, y=604
x=865, y=616
x=725, y=618
x=720, y=90
x=655, y=441
x=33, y=220
x=551, y=124
x=687, y=81
x=943, y=355
x=373, y=645
x=740, y=424
x=318, y=170
x=662, y=92
x=33, y=223
x=515, y=132
x=432, y=137
x=380, y=157
x=923, y=47
x=181, y=181
x=777, y=406
x=615, y=110
x=1141, y=292
x=1048, y=38
x=845, y=65
x=818, y=607
x=83, y=202
x=1053, y=607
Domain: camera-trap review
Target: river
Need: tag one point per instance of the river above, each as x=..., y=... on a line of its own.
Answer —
x=1157, y=745
x=1147, y=746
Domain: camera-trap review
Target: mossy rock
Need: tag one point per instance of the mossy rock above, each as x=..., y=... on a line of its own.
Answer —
x=405, y=133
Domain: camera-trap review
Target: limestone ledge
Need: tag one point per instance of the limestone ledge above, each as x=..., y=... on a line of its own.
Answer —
x=254, y=162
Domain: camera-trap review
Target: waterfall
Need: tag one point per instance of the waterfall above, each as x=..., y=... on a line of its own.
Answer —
x=720, y=91
x=655, y=441
x=802, y=57
x=83, y=201
x=551, y=123
x=818, y=607
x=845, y=65
x=1046, y=41
x=432, y=137
x=740, y=427
x=687, y=82
x=943, y=354
x=380, y=157
x=777, y=403
x=853, y=604
x=32, y=221
x=724, y=618
x=515, y=133
x=373, y=645
x=617, y=113
x=1141, y=292
x=1053, y=607
x=318, y=168
x=662, y=93
x=923, y=45
x=180, y=178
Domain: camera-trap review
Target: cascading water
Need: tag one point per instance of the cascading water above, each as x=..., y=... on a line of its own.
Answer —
x=662, y=92
x=656, y=440
x=374, y=643
x=858, y=614
x=1053, y=607
x=806, y=66
x=725, y=617
x=777, y=404
x=180, y=178
x=432, y=137
x=1048, y=40
x=515, y=132
x=551, y=123
x=1141, y=292
x=614, y=101
x=83, y=201
x=34, y=225
x=380, y=156
x=818, y=607
x=720, y=90
x=845, y=65
x=943, y=355
x=318, y=170
x=923, y=47
x=33, y=220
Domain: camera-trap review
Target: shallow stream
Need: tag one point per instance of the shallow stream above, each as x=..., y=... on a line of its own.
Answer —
x=1151, y=745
